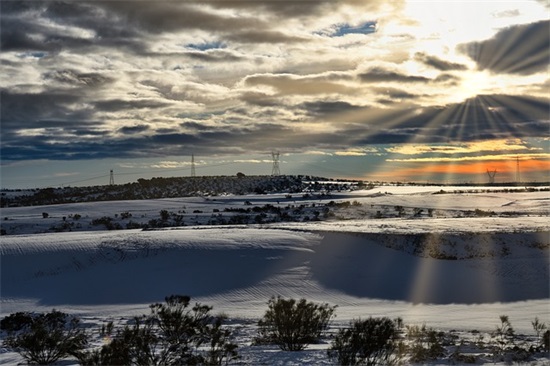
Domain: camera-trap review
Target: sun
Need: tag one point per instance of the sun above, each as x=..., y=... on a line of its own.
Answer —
x=472, y=84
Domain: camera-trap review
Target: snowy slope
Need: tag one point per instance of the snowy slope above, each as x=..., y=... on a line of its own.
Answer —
x=368, y=267
x=238, y=269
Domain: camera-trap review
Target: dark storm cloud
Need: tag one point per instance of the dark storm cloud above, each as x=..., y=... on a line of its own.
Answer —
x=39, y=26
x=161, y=17
x=169, y=16
x=522, y=49
x=25, y=109
x=16, y=35
x=285, y=9
x=71, y=53
x=133, y=129
x=377, y=74
x=484, y=117
x=489, y=116
x=438, y=63
x=278, y=8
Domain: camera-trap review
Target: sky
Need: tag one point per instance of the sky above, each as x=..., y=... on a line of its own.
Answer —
x=424, y=91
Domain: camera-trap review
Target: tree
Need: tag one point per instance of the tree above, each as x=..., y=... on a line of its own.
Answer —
x=292, y=325
x=365, y=342
x=44, y=338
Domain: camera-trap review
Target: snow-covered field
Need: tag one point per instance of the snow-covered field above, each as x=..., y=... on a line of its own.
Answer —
x=450, y=270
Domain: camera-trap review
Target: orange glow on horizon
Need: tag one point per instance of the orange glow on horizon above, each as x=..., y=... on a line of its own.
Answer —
x=423, y=170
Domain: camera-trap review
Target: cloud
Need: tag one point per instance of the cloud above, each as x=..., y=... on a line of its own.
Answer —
x=323, y=108
x=472, y=147
x=490, y=157
x=521, y=49
x=214, y=56
x=72, y=77
x=113, y=105
x=387, y=95
x=378, y=74
x=24, y=110
x=171, y=164
x=100, y=79
x=507, y=13
x=288, y=84
x=438, y=63
x=133, y=129
x=267, y=36
x=259, y=99
x=358, y=152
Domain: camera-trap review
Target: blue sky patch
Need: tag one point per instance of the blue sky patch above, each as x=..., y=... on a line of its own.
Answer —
x=363, y=28
x=206, y=46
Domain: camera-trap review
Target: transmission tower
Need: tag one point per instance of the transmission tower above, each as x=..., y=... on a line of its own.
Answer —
x=111, y=178
x=275, y=170
x=517, y=170
x=491, y=175
x=193, y=173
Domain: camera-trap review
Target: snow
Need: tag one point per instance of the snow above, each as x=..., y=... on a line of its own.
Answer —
x=368, y=267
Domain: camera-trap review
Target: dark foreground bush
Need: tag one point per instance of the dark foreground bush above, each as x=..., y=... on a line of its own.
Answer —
x=43, y=338
x=366, y=342
x=292, y=325
x=171, y=334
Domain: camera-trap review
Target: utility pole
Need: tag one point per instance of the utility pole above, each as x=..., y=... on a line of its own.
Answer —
x=491, y=175
x=275, y=157
x=518, y=180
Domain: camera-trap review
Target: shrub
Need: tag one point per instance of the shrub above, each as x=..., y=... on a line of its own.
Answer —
x=105, y=220
x=292, y=324
x=43, y=338
x=125, y=215
x=504, y=334
x=133, y=225
x=164, y=215
x=426, y=344
x=546, y=341
x=538, y=327
x=170, y=335
x=365, y=342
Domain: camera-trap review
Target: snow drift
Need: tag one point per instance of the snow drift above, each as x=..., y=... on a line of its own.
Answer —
x=141, y=267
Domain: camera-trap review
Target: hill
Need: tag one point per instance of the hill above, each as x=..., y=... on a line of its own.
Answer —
x=172, y=187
